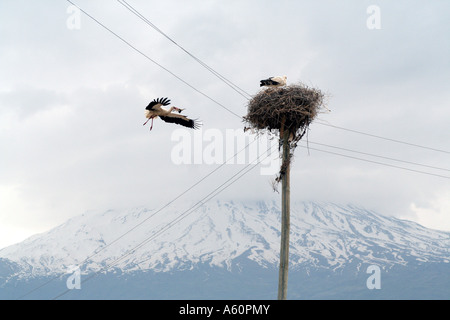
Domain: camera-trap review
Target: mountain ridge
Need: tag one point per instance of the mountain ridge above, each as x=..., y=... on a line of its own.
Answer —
x=229, y=250
x=322, y=235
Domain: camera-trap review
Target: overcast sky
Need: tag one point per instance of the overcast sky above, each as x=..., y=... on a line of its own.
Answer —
x=72, y=99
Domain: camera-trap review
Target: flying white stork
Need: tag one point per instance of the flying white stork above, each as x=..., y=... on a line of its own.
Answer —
x=154, y=110
x=274, y=82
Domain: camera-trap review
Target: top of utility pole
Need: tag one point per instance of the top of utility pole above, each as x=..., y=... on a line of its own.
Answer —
x=289, y=108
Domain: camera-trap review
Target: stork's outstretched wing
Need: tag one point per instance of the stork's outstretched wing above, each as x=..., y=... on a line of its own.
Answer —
x=181, y=120
x=157, y=103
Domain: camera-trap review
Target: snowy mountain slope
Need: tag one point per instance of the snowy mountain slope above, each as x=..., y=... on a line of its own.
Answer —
x=220, y=233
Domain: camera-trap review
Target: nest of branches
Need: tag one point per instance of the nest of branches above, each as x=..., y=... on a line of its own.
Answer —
x=289, y=109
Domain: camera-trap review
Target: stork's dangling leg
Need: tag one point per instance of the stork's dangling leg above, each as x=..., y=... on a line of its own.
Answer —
x=151, y=118
x=151, y=126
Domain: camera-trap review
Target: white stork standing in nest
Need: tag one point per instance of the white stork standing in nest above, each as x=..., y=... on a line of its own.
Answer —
x=154, y=110
x=274, y=82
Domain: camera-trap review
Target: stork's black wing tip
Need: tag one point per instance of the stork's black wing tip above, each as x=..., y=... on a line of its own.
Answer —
x=196, y=124
x=164, y=101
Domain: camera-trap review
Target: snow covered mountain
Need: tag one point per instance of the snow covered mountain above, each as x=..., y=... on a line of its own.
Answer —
x=228, y=237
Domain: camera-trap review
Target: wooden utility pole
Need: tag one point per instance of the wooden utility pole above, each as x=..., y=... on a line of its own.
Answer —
x=285, y=216
x=289, y=109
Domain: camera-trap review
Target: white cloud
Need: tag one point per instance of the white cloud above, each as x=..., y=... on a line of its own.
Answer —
x=435, y=213
x=16, y=219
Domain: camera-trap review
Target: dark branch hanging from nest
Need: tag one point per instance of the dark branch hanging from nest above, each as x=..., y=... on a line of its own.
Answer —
x=290, y=108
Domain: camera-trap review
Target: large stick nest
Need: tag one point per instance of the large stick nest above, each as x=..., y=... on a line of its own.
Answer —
x=290, y=108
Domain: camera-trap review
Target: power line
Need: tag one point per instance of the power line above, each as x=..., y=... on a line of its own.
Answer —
x=376, y=162
x=158, y=64
x=217, y=74
x=378, y=156
x=383, y=138
x=180, y=217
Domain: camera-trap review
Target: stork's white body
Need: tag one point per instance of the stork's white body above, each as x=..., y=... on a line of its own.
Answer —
x=158, y=112
x=274, y=82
